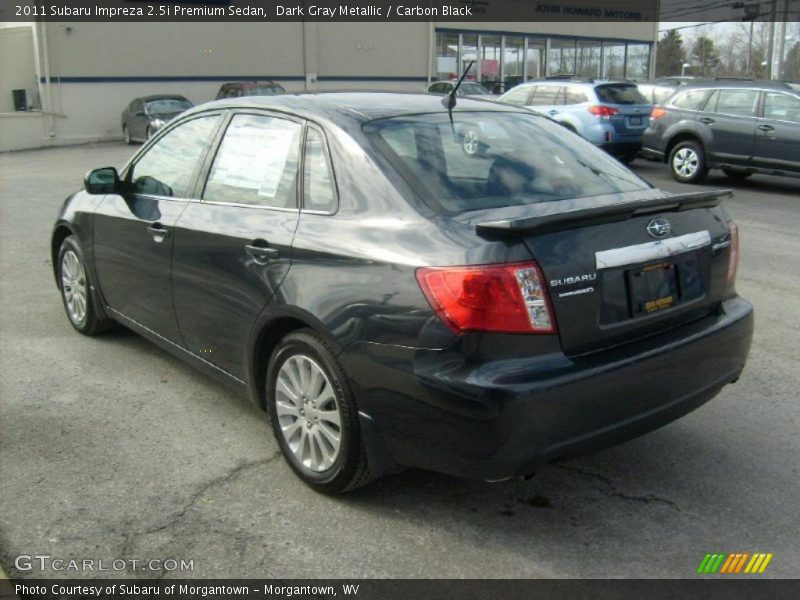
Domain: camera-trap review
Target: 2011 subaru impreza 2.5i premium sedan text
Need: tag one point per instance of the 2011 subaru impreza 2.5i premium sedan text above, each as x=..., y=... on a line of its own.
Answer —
x=394, y=302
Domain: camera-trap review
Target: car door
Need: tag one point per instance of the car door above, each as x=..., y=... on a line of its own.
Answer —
x=133, y=231
x=730, y=115
x=778, y=133
x=234, y=247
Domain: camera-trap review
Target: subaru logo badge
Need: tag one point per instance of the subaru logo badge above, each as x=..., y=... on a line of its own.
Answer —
x=658, y=228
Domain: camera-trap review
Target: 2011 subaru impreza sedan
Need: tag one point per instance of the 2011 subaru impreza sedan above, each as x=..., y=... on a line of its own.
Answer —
x=394, y=302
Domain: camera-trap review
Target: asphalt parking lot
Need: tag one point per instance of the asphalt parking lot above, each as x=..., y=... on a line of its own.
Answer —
x=111, y=448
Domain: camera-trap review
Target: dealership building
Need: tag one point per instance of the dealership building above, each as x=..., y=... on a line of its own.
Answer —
x=68, y=82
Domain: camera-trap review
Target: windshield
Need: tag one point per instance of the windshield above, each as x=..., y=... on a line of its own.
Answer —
x=494, y=159
x=263, y=90
x=469, y=88
x=620, y=93
x=166, y=106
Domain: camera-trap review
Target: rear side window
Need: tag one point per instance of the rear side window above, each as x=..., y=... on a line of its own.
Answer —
x=452, y=177
x=168, y=167
x=518, y=96
x=783, y=107
x=256, y=163
x=736, y=102
x=575, y=96
x=616, y=93
x=689, y=99
x=317, y=180
x=545, y=95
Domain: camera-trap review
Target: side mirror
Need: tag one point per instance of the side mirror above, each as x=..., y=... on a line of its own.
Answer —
x=102, y=181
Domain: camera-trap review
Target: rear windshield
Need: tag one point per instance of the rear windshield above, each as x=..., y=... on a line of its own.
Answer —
x=264, y=90
x=620, y=93
x=493, y=159
x=165, y=106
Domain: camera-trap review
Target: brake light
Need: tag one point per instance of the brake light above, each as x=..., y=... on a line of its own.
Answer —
x=603, y=111
x=733, y=254
x=494, y=298
x=657, y=113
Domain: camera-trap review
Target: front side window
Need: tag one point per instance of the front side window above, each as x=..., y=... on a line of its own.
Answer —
x=505, y=172
x=256, y=163
x=782, y=107
x=736, y=102
x=169, y=166
x=318, y=192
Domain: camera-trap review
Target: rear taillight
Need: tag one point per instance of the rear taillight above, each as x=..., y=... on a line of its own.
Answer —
x=733, y=253
x=657, y=113
x=603, y=111
x=495, y=298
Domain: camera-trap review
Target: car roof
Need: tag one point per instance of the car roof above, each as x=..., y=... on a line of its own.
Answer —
x=249, y=84
x=346, y=107
x=738, y=83
x=575, y=82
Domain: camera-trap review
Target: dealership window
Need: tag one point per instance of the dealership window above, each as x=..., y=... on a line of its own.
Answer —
x=534, y=58
x=613, y=61
x=513, y=61
x=256, y=163
x=469, y=52
x=637, y=65
x=168, y=167
x=446, y=55
x=490, y=62
x=561, y=58
x=588, y=59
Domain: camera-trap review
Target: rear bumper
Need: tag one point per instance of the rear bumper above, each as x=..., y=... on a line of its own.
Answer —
x=500, y=419
x=621, y=147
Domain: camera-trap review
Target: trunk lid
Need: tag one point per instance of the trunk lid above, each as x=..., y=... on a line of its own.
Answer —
x=611, y=281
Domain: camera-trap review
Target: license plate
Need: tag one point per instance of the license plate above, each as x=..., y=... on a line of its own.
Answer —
x=653, y=288
x=636, y=120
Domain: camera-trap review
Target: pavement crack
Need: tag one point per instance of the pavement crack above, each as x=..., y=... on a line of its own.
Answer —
x=173, y=519
x=607, y=487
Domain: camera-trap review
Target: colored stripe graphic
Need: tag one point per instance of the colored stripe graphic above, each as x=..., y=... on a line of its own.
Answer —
x=734, y=563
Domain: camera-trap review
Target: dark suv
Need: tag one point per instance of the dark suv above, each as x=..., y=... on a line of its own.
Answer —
x=741, y=127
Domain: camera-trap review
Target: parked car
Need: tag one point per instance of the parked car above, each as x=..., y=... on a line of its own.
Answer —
x=610, y=114
x=395, y=303
x=145, y=116
x=741, y=127
x=467, y=89
x=237, y=89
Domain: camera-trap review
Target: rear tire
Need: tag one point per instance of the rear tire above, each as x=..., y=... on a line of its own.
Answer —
x=76, y=294
x=736, y=174
x=314, y=416
x=687, y=162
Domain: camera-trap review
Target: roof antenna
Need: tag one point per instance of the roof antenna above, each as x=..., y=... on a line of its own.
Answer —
x=449, y=101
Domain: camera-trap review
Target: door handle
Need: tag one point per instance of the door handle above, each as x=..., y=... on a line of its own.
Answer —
x=260, y=251
x=707, y=120
x=766, y=128
x=158, y=231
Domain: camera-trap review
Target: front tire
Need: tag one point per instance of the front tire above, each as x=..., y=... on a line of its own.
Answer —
x=126, y=134
x=73, y=281
x=687, y=162
x=314, y=416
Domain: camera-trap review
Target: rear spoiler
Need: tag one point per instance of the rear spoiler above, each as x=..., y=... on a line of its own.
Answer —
x=604, y=214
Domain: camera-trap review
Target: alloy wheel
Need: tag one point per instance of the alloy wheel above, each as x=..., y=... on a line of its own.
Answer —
x=308, y=413
x=471, y=144
x=686, y=162
x=73, y=286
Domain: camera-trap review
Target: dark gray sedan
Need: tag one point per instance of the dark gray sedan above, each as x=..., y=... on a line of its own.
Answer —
x=144, y=116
